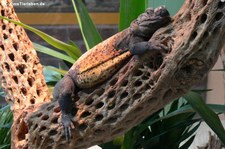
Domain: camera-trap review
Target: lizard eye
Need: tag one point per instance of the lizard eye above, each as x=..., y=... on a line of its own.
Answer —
x=149, y=11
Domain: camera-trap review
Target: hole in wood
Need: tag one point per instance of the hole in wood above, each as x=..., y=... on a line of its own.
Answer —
x=138, y=72
x=206, y=34
x=203, y=18
x=99, y=117
x=216, y=30
x=52, y=132
x=137, y=83
x=30, y=81
x=124, y=95
x=99, y=131
x=15, y=46
x=193, y=35
x=99, y=105
x=50, y=107
x=43, y=128
x=54, y=120
x=38, y=92
x=3, y=12
x=11, y=56
x=22, y=131
x=5, y=36
x=15, y=79
x=89, y=101
x=34, y=71
x=57, y=110
x=111, y=106
x=85, y=114
x=113, y=82
x=45, y=117
x=137, y=96
x=111, y=120
x=24, y=91
x=10, y=30
x=204, y=2
x=82, y=127
x=111, y=93
x=32, y=101
x=21, y=68
x=38, y=115
x=100, y=92
x=25, y=57
x=124, y=107
x=124, y=83
x=35, y=126
x=3, y=27
x=2, y=47
x=218, y=16
x=7, y=67
x=144, y=77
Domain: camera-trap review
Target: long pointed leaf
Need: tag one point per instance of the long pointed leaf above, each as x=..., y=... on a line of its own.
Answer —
x=188, y=143
x=128, y=140
x=89, y=32
x=189, y=133
x=62, y=72
x=73, y=51
x=53, y=53
x=207, y=114
x=129, y=10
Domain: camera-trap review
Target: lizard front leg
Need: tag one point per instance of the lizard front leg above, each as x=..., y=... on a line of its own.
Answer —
x=141, y=48
x=63, y=92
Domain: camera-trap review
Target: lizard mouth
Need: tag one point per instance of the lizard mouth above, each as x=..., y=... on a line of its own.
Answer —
x=161, y=11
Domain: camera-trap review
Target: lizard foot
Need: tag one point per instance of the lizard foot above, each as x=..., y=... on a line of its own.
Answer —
x=67, y=123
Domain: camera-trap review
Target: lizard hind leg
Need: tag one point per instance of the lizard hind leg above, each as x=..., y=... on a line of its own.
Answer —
x=63, y=92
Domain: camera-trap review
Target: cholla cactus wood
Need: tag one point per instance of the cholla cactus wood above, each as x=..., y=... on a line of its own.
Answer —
x=140, y=88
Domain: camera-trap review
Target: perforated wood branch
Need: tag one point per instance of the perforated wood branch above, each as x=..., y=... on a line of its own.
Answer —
x=20, y=72
x=141, y=87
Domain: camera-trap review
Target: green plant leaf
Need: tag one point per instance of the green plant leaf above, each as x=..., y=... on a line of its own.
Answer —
x=72, y=51
x=6, y=119
x=89, y=32
x=128, y=141
x=51, y=75
x=53, y=53
x=130, y=10
x=189, y=132
x=7, y=107
x=188, y=143
x=172, y=132
x=60, y=71
x=206, y=113
x=5, y=146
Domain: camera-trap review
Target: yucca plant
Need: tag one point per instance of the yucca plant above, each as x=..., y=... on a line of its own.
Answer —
x=175, y=123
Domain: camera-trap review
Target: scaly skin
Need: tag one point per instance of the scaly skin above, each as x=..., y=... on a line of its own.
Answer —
x=102, y=61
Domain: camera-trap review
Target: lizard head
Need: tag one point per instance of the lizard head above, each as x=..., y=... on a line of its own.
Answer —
x=150, y=21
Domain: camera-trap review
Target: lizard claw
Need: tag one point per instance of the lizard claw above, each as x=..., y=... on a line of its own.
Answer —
x=67, y=125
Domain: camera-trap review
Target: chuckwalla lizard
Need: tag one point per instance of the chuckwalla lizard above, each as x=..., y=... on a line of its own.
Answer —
x=102, y=61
